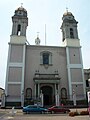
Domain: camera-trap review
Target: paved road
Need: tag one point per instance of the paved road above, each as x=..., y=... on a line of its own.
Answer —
x=44, y=117
x=2, y=114
x=20, y=116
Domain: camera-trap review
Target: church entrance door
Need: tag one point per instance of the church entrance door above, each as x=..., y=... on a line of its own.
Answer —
x=47, y=92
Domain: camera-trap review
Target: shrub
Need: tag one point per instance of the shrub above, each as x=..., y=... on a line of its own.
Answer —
x=84, y=113
x=76, y=113
x=72, y=114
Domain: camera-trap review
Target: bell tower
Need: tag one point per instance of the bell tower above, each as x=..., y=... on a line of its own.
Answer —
x=69, y=26
x=19, y=27
x=15, y=73
x=71, y=42
x=20, y=22
x=69, y=30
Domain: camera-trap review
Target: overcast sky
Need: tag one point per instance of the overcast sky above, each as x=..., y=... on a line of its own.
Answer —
x=41, y=12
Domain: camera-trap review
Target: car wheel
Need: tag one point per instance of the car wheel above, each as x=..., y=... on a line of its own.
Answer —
x=67, y=112
x=42, y=112
x=24, y=112
x=52, y=112
x=28, y=112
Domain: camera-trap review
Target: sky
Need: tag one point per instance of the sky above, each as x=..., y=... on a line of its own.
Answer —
x=41, y=13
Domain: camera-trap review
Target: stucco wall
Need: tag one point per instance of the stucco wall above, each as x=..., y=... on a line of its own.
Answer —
x=16, y=53
x=15, y=74
x=14, y=90
x=74, y=55
x=76, y=75
x=33, y=64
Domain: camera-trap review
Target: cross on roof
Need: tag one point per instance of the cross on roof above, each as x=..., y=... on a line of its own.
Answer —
x=21, y=4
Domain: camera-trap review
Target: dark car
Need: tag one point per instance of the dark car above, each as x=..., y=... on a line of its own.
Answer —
x=34, y=108
x=58, y=109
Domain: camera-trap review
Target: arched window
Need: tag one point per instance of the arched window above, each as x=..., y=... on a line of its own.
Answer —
x=71, y=33
x=63, y=93
x=45, y=58
x=18, y=29
x=29, y=93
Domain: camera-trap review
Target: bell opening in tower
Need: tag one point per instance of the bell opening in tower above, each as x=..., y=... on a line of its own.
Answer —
x=71, y=33
x=19, y=30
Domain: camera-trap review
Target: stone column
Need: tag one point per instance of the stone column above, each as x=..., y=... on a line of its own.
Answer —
x=22, y=99
x=35, y=90
x=41, y=98
x=57, y=98
x=55, y=88
x=38, y=89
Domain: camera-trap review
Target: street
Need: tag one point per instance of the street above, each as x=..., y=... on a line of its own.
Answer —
x=7, y=115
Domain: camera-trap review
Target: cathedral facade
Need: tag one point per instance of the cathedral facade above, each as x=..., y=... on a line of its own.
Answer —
x=36, y=69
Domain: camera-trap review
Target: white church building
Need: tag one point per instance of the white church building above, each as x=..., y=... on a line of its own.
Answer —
x=50, y=70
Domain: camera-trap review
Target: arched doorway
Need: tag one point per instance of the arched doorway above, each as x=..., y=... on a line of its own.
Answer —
x=47, y=92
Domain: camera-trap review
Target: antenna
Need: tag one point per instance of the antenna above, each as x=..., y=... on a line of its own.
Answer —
x=45, y=34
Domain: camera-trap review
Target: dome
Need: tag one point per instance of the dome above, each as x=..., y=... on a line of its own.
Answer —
x=21, y=12
x=21, y=9
x=67, y=14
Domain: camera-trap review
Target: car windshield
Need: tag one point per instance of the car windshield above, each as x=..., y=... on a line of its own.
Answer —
x=31, y=106
x=34, y=106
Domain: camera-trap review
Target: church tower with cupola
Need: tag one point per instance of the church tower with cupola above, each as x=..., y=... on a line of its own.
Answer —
x=19, y=27
x=16, y=58
x=71, y=41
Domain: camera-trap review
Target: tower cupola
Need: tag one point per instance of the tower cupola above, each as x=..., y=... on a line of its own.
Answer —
x=21, y=12
x=69, y=26
x=20, y=22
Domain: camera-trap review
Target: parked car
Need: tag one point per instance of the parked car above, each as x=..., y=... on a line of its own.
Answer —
x=34, y=108
x=57, y=109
